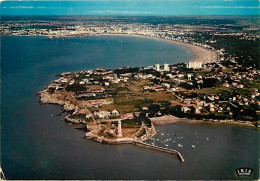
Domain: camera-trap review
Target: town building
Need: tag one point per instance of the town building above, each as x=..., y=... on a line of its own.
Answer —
x=166, y=67
x=157, y=67
x=195, y=65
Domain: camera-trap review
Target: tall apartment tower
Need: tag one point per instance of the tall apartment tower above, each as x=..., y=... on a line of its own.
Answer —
x=157, y=67
x=166, y=67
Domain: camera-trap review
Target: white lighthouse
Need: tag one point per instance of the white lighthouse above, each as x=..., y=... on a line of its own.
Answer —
x=119, y=130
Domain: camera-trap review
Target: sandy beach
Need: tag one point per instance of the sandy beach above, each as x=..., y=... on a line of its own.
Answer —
x=200, y=54
x=172, y=120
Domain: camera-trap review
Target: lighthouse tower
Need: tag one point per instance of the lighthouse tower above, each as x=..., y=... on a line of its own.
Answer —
x=119, y=133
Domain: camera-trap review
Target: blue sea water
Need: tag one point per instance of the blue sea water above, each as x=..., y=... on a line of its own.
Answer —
x=36, y=143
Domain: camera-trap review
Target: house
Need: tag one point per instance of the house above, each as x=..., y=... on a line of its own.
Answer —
x=125, y=79
x=145, y=108
x=174, y=89
x=187, y=101
x=146, y=88
x=240, y=86
x=234, y=84
x=89, y=115
x=101, y=114
x=157, y=88
x=226, y=85
x=166, y=85
x=212, y=109
x=81, y=82
x=87, y=95
x=115, y=112
x=128, y=116
x=256, y=94
x=116, y=81
x=185, y=109
x=211, y=98
x=190, y=107
x=220, y=109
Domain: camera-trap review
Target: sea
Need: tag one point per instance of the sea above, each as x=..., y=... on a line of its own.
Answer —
x=36, y=143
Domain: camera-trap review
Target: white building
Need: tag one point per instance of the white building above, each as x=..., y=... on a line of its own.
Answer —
x=166, y=67
x=101, y=114
x=195, y=65
x=115, y=112
x=157, y=67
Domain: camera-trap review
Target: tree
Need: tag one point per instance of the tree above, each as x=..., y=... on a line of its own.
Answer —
x=153, y=109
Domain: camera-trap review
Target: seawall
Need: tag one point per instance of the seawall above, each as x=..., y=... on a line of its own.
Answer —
x=166, y=150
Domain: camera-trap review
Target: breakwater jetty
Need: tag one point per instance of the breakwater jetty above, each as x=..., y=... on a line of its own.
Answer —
x=166, y=150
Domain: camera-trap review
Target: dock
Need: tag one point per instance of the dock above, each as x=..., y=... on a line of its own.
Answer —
x=166, y=150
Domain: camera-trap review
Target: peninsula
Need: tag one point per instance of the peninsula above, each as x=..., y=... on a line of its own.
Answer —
x=121, y=105
x=117, y=106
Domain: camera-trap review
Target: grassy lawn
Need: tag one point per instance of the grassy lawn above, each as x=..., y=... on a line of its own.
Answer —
x=160, y=96
x=141, y=83
x=94, y=87
x=130, y=97
x=253, y=84
x=217, y=90
x=121, y=108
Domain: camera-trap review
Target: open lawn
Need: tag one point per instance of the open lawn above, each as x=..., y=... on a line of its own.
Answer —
x=217, y=90
x=121, y=108
x=131, y=97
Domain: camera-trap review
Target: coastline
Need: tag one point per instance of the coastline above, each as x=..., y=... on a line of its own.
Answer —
x=164, y=120
x=200, y=54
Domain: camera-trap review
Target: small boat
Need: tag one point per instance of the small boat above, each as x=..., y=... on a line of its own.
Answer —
x=207, y=138
x=162, y=134
x=192, y=146
x=2, y=176
x=166, y=145
x=179, y=145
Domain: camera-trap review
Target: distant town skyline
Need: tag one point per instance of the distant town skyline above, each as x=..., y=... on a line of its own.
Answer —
x=130, y=7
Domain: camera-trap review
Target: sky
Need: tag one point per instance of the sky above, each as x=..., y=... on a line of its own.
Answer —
x=130, y=7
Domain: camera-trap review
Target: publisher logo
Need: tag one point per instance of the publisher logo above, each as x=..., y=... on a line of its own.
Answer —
x=244, y=171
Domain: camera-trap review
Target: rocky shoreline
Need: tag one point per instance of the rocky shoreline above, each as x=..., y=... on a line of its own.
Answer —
x=92, y=134
x=47, y=98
